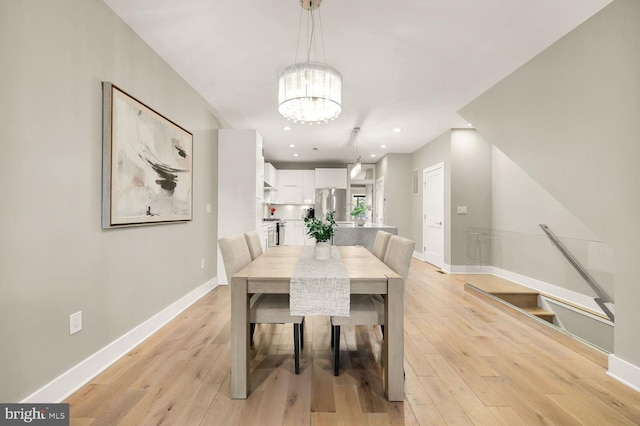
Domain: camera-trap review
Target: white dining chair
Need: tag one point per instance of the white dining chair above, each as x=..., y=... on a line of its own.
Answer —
x=255, y=250
x=263, y=308
x=379, y=249
x=380, y=244
x=366, y=309
x=254, y=244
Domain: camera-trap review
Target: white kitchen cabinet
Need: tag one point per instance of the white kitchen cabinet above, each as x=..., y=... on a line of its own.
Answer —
x=270, y=176
x=331, y=178
x=270, y=195
x=290, y=186
x=240, y=185
x=268, y=237
x=270, y=183
x=295, y=233
x=304, y=239
x=308, y=187
x=290, y=233
x=296, y=187
x=259, y=186
x=289, y=194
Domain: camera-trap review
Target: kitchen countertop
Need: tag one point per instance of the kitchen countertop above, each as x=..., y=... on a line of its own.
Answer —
x=350, y=234
x=367, y=225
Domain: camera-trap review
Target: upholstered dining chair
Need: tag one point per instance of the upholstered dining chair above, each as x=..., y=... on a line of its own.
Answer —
x=366, y=309
x=379, y=249
x=254, y=244
x=263, y=308
x=380, y=244
x=255, y=250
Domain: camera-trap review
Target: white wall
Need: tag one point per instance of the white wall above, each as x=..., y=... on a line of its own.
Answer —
x=55, y=258
x=569, y=118
x=240, y=186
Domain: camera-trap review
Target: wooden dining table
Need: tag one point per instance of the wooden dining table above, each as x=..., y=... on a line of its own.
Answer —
x=271, y=273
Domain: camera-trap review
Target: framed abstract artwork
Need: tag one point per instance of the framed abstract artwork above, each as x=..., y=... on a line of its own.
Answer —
x=147, y=164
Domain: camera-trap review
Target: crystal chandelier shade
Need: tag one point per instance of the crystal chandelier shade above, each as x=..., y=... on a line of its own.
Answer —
x=310, y=93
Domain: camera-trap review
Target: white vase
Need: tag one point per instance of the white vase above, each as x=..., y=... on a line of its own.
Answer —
x=322, y=251
x=360, y=222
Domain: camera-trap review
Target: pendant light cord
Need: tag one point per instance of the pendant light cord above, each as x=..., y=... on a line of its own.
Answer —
x=311, y=36
x=324, y=56
x=356, y=150
x=295, y=60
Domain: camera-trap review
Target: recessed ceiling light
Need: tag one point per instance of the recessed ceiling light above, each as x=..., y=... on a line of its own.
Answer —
x=373, y=155
x=286, y=128
x=469, y=125
x=397, y=130
x=383, y=146
x=292, y=146
x=295, y=155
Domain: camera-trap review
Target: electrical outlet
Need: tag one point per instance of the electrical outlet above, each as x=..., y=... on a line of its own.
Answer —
x=202, y=263
x=75, y=322
x=208, y=208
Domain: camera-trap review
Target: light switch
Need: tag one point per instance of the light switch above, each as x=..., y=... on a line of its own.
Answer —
x=462, y=209
x=208, y=208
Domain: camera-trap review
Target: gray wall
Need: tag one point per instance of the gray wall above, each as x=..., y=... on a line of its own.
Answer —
x=520, y=204
x=467, y=181
x=55, y=257
x=569, y=119
x=434, y=152
x=396, y=170
x=470, y=187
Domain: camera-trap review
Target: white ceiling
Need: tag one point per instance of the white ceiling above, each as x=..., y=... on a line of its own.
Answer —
x=407, y=64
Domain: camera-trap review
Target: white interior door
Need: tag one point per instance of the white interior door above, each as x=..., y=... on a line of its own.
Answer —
x=380, y=201
x=433, y=217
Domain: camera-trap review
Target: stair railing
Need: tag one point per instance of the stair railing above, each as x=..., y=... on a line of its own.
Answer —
x=602, y=296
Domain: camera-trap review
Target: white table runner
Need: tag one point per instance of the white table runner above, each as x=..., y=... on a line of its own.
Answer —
x=319, y=287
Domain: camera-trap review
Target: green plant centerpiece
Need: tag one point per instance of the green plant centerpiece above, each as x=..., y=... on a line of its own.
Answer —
x=359, y=213
x=322, y=231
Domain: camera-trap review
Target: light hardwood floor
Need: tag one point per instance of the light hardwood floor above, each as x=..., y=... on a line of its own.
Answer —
x=467, y=361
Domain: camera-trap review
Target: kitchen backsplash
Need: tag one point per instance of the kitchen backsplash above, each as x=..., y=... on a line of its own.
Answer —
x=286, y=211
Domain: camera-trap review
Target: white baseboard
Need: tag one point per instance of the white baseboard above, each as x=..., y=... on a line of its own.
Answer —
x=418, y=255
x=71, y=380
x=550, y=289
x=624, y=372
x=467, y=269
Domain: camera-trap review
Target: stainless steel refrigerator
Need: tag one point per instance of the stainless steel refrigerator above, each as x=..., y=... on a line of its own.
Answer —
x=331, y=199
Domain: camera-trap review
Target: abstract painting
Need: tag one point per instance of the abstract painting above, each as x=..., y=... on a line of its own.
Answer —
x=147, y=164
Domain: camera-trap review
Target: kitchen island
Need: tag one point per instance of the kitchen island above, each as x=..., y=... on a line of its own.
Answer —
x=349, y=234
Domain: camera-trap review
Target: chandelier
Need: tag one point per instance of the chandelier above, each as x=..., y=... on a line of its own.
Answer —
x=310, y=92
